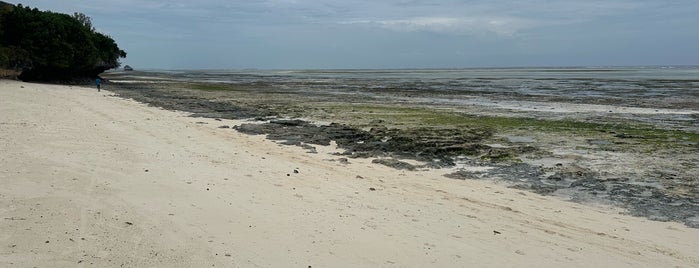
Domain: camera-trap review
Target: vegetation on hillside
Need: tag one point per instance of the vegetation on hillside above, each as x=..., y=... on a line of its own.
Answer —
x=44, y=45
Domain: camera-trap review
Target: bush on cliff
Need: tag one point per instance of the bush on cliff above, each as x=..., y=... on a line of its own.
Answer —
x=44, y=45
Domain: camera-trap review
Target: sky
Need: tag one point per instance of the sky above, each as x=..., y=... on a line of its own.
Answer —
x=349, y=34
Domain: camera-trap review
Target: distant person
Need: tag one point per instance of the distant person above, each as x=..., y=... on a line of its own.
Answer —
x=98, y=82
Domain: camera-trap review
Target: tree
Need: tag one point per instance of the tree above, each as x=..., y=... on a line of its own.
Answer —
x=84, y=20
x=53, y=46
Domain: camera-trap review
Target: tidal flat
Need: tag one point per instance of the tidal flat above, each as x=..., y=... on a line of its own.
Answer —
x=622, y=137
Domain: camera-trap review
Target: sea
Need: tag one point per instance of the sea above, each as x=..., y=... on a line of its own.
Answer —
x=662, y=96
x=613, y=82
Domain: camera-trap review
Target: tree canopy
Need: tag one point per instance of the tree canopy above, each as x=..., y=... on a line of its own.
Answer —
x=44, y=45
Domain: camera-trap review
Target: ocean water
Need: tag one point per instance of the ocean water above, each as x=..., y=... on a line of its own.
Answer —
x=619, y=82
x=666, y=97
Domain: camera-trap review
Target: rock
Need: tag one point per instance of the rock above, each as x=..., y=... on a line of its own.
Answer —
x=394, y=164
x=555, y=177
x=311, y=149
x=628, y=136
x=424, y=144
x=292, y=123
x=462, y=175
x=590, y=184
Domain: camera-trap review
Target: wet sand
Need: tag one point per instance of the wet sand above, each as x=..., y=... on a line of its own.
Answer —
x=90, y=179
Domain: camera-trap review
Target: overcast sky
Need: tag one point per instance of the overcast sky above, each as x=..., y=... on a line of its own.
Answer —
x=289, y=34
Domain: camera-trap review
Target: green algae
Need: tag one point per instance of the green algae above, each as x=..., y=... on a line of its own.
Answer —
x=619, y=133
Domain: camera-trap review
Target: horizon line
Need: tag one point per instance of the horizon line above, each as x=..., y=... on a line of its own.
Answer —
x=421, y=68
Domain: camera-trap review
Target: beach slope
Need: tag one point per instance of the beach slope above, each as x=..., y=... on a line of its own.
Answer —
x=91, y=179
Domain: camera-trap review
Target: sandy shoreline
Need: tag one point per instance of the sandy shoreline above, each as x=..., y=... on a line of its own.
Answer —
x=91, y=179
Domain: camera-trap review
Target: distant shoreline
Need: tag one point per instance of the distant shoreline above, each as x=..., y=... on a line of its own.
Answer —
x=592, y=67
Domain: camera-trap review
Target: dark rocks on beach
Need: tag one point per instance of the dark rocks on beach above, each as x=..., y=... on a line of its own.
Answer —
x=590, y=184
x=639, y=199
x=397, y=164
x=628, y=136
x=439, y=146
x=291, y=123
x=463, y=175
x=506, y=154
x=311, y=149
x=647, y=201
x=199, y=106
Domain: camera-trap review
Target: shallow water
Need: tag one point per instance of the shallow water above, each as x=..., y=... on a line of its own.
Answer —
x=603, y=82
x=666, y=97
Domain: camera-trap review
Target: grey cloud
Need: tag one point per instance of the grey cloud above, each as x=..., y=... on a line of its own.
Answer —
x=502, y=26
x=393, y=33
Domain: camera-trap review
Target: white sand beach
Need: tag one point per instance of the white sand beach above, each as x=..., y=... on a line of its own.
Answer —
x=88, y=179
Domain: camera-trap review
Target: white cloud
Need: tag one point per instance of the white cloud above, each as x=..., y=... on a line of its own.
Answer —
x=502, y=26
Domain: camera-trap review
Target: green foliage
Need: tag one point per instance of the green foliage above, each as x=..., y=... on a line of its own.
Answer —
x=54, y=46
x=84, y=20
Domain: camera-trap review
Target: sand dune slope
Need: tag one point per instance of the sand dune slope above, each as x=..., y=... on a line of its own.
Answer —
x=89, y=179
